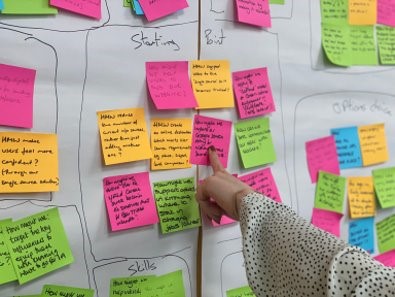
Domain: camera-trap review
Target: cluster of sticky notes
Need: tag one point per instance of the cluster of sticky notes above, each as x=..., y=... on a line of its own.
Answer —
x=129, y=201
x=347, y=147
x=29, y=162
x=16, y=96
x=245, y=291
x=253, y=12
x=90, y=8
x=348, y=31
x=34, y=246
x=169, y=285
x=154, y=10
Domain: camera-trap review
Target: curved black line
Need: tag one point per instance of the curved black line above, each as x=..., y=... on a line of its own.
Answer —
x=222, y=262
x=227, y=240
x=9, y=29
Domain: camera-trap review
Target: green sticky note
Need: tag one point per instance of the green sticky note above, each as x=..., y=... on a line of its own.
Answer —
x=169, y=285
x=61, y=291
x=363, y=45
x=336, y=43
x=386, y=43
x=240, y=292
x=7, y=273
x=334, y=11
x=254, y=140
x=386, y=234
x=127, y=286
x=28, y=296
x=127, y=3
x=277, y=2
x=329, y=193
x=176, y=204
x=28, y=7
x=384, y=186
x=37, y=244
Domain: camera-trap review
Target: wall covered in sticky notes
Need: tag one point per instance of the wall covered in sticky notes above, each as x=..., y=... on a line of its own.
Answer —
x=107, y=111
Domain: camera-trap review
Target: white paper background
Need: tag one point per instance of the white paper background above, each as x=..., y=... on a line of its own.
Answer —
x=84, y=66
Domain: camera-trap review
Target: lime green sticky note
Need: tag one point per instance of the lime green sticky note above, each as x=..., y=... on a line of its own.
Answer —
x=363, y=45
x=240, y=292
x=7, y=273
x=176, y=204
x=37, y=244
x=336, y=43
x=127, y=286
x=28, y=7
x=169, y=285
x=277, y=2
x=384, y=186
x=386, y=234
x=386, y=44
x=329, y=193
x=334, y=11
x=127, y=3
x=254, y=140
x=61, y=291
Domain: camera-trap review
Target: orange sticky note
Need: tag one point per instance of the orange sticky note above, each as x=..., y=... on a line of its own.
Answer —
x=28, y=162
x=373, y=144
x=212, y=83
x=123, y=134
x=361, y=197
x=171, y=143
x=362, y=12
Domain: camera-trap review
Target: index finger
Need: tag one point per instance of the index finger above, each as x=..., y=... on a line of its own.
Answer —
x=214, y=160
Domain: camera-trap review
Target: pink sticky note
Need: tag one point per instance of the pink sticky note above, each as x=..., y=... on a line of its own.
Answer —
x=129, y=201
x=225, y=220
x=386, y=12
x=207, y=132
x=326, y=220
x=253, y=92
x=322, y=155
x=387, y=258
x=155, y=9
x=254, y=12
x=169, y=85
x=16, y=96
x=263, y=182
x=90, y=8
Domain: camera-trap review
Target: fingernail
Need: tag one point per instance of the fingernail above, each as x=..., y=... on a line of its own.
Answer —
x=212, y=148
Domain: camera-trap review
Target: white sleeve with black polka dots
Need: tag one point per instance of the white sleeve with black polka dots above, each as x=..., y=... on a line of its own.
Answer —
x=287, y=256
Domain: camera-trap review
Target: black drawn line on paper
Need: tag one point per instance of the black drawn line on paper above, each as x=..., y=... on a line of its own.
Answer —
x=222, y=263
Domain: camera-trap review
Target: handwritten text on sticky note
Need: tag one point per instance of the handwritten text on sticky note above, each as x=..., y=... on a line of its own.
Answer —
x=362, y=12
x=373, y=144
x=7, y=273
x=361, y=197
x=329, y=193
x=91, y=8
x=63, y=291
x=360, y=233
x=384, y=186
x=347, y=147
x=326, y=220
x=385, y=234
x=386, y=44
x=123, y=135
x=254, y=12
x=29, y=162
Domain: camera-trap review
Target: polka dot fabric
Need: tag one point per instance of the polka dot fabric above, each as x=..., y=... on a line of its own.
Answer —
x=287, y=256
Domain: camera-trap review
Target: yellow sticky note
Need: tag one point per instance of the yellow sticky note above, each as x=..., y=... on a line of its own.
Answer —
x=373, y=144
x=361, y=197
x=171, y=143
x=362, y=12
x=212, y=83
x=28, y=162
x=124, y=136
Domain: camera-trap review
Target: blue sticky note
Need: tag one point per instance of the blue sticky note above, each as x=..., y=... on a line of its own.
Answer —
x=137, y=8
x=1, y=4
x=360, y=233
x=347, y=147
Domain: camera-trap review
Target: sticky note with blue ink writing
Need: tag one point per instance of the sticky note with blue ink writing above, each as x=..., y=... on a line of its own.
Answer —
x=361, y=234
x=347, y=147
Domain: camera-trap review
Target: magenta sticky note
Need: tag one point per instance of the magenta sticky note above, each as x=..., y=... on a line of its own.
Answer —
x=254, y=12
x=169, y=85
x=129, y=201
x=225, y=220
x=326, y=220
x=253, y=92
x=89, y=8
x=386, y=12
x=16, y=96
x=263, y=182
x=387, y=258
x=322, y=155
x=155, y=9
x=207, y=132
